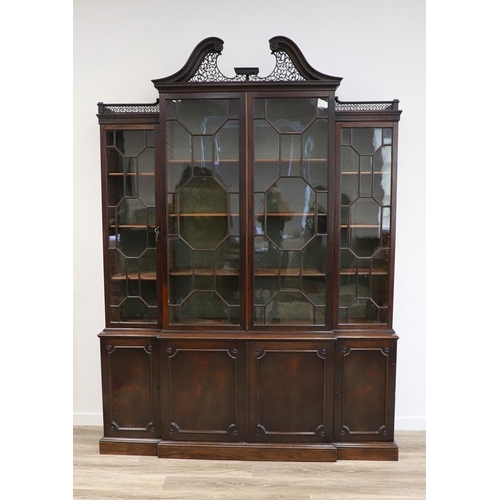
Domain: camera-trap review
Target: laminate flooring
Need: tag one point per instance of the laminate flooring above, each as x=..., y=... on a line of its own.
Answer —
x=98, y=476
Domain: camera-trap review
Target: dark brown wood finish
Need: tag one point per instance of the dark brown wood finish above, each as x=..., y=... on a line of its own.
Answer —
x=291, y=392
x=203, y=397
x=394, y=186
x=131, y=387
x=160, y=215
x=250, y=272
x=365, y=379
x=120, y=122
x=243, y=202
x=367, y=121
x=293, y=379
x=283, y=452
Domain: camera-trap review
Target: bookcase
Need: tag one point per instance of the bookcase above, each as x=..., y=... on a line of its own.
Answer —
x=248, y=235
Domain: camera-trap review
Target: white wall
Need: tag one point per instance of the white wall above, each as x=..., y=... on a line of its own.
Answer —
x=377, y=47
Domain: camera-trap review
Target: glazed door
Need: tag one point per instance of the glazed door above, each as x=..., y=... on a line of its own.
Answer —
x=291, y=191
x=130, y=225
x=204, y=167
x=366, y=154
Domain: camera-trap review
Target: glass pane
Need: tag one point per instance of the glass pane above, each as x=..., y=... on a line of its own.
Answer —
x=180, y=288
x=227, y=255
x=202, y=116
x=291, y=115
x=366, y=140
x=203, y=200
x=291, y=211
x=130, y=198
x=146, y=162
x=204, y=307
x=227, y=141
x=131, y=211
x=266, y=141
x=382, y=175
x=349, y=159
x=202, y=156
x=146, y=190
x=290, y=308
x=365, y=225
x=228, y=289
x=314, y=288
x=315, y=140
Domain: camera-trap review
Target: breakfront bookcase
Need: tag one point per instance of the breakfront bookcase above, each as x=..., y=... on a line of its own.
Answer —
x=248, y=231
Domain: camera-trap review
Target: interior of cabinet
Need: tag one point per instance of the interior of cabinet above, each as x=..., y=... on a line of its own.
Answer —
x=131, y=223
x=203, y=211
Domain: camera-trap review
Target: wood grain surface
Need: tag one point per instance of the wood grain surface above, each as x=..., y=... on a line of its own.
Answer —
x=98, y=476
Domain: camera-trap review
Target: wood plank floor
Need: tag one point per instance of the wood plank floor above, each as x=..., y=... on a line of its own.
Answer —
x=126, y=477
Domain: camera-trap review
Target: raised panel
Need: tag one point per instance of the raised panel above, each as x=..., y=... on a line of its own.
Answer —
x=290, y=391
x=204, y=397
x=130, y=388
x=365, y=385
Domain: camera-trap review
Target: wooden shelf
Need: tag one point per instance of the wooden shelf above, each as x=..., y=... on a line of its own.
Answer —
x=362, y=270
x=187, y=271
x=288, y=272
x=267, y=271
x=189, y=163
x=293, y=160
x=269, y=214
x=131, y=226
x=289, y=214
x=365, y=173
x=205, y=214
x=131, y=174
x=360, y=226
x=149, y=276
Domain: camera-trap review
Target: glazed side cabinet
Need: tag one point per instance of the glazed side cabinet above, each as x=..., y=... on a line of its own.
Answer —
x=248, y=236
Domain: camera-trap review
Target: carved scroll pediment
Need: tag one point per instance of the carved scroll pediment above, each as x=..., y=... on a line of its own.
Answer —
x=202, y=67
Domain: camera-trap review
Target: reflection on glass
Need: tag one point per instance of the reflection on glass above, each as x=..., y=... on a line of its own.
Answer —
x=203, y=210
x=366, y=165
x=130, y=200
x=290, y=204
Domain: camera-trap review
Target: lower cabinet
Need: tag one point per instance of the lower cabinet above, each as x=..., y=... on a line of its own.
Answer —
x=204, y=392
x=311, y=400
x=290, y=391
x=365, y=379
x=131, y=395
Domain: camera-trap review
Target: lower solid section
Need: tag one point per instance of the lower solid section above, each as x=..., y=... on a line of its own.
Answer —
x=114, y=446
x=249, y=451
x=250, y=396
x=281, y=452
x=367, y=451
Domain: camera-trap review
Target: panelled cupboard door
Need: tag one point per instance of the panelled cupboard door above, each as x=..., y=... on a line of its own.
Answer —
x=290, y=391
x=365, y=379
x=203, y=390
x=131, y=387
